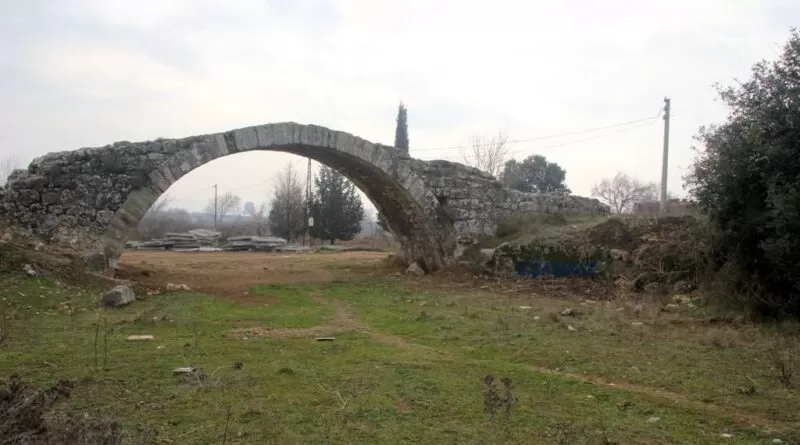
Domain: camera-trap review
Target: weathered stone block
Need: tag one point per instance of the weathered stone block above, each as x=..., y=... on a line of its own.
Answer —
x=119, y=296
x=246, y=139
x=50, y=198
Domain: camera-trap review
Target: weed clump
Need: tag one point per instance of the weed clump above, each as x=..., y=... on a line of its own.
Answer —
x=28, y=417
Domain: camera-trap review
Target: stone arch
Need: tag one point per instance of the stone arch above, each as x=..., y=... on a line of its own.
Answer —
x=386, y=176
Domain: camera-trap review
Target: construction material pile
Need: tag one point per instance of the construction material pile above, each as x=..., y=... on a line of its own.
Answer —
x=253, y=243
x=181, y=241
x=197, y=239
x=205, y=237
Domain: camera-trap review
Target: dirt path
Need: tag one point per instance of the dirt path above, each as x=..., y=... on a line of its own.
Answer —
x=344, y=321
x=232, y=274
x=740, y=418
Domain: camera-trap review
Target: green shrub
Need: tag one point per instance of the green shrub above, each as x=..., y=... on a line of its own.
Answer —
x=748, y=181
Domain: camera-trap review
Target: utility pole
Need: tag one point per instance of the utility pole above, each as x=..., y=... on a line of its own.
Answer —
x=665, y=159
x=307, y=210
x=215, y=207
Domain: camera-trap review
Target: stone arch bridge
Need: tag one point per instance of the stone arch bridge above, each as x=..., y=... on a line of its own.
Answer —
x=93, y=198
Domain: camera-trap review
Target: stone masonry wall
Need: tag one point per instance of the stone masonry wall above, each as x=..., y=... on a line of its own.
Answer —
x=477, y=202
x=70, y=197
x=91, y=197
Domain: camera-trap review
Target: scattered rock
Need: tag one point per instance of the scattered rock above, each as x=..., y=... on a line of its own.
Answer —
x=140, y=337
x=484, y=258
x=7, y=237
x=681, y=299
x=525, y=307
x=119, y=296
x=177, y=287
x=653, y=419
x=637, y=323
x=683, y=287
x=415, y=269
x=30, y=271
x=726, y=435
x=571, y=328
x=569, y=312
x=670, y=307
x=190, y=373
x=619, y=254
x=777, y=441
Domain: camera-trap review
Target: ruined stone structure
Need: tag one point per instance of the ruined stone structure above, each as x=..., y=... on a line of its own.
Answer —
x=93, y=198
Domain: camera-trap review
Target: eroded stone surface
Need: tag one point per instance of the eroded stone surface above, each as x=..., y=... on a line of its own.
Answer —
x=119, y=296
x=93, y=198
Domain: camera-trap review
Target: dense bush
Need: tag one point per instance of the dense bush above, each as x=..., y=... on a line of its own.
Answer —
x=748, y=181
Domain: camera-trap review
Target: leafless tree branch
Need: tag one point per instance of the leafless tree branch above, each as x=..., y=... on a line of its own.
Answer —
x=7, y=165
x=487, y=153
x=622, y=191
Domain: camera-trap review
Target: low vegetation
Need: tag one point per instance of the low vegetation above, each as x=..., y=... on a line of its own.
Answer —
x=441, y=360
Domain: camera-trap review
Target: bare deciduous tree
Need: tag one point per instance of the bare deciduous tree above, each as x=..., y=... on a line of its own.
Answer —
x=622, y=191
x=160, y=220
x=259, y=217
x=7, y=165
x=487, y=153
x=227, y=203
x=288, y=206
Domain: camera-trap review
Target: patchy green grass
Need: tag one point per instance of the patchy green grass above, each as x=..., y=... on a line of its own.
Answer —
x=410, y=370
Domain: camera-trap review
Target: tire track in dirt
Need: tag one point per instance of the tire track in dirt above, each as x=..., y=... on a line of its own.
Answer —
x=740, y=418
x=344, y=321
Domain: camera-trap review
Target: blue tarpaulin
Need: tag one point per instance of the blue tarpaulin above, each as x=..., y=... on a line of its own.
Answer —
x=535, y=269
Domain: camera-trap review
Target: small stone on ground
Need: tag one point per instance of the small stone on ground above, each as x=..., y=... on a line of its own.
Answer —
x=415, y=269
x=140, y=337
x=29, y=270
x=119, y=296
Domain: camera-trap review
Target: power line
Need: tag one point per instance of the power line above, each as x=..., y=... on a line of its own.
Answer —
x=552, y=136
x=599, y=136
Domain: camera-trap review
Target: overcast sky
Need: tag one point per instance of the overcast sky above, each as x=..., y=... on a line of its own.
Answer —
x=78, y=73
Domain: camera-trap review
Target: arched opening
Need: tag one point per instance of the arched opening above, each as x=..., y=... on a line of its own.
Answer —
x=384, y=175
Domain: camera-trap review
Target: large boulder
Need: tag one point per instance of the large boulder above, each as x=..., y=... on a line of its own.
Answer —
x=119, y=296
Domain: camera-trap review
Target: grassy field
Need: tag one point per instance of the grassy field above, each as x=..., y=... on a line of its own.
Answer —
x=408, y=364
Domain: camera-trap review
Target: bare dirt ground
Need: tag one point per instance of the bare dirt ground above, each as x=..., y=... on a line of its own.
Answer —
x=231, y=274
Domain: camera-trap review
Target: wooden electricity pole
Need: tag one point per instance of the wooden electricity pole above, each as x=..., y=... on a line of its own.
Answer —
x=215, y=207
x=665, y=159
x=307, y=210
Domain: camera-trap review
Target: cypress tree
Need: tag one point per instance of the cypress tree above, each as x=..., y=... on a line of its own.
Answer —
x=401, y=131
x=336, y=207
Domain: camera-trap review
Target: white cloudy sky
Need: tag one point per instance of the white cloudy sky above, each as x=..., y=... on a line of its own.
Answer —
x=77, y=73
